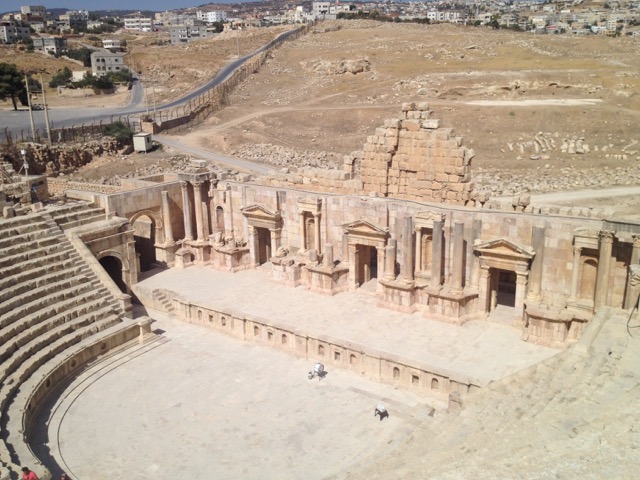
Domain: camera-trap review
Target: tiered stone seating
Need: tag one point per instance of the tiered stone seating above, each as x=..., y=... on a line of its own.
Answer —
x=574, y=411
x=77, y=214
x=51, y=302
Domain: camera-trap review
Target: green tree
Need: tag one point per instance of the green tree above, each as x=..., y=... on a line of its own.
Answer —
x=11, y=83
x=118, y=130
x=63, y=77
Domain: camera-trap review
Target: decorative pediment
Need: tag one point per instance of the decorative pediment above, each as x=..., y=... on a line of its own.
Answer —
x=502, y=247
x=365, y=228
x=259, y=216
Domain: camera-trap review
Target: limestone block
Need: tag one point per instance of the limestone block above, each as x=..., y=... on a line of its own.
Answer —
x=436, y=186
x=452, y=195
x=409, y=106
x=411, y=125
x=442, y=177
x=392, y=123
x=422, y=106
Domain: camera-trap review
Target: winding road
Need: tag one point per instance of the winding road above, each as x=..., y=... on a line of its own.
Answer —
x=16, y=121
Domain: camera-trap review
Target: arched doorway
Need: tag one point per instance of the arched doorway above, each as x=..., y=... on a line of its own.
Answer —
x=113, y=266
x=144, y=234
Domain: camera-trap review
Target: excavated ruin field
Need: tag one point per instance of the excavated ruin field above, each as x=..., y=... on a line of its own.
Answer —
x=523, y=102
x=542, y=112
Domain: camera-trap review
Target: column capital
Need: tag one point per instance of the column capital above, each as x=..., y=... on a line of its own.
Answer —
x=577, y=250
x=197, y=184
x=636, y=240
x=606, y=236
x=184, y=184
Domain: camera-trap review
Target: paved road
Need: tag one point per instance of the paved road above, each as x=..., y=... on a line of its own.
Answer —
x=63, y=117
x=233, y=162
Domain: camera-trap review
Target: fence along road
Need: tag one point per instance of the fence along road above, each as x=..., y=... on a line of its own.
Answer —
x=15, y=122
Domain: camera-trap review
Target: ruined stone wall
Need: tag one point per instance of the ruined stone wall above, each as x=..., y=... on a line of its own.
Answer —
x=415, y=159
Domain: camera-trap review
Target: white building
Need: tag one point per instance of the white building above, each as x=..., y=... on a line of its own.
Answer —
x=320, y=9
x=211, y=17
x=137, y=22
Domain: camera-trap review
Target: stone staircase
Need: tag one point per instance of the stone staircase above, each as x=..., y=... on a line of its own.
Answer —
x=51, y=302
x=76, y=214
x=572, y=416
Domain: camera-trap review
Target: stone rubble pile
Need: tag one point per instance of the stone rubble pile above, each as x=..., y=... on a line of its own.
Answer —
x=288, y=157
x=508, y=182
x=338, y=67
x=59, y=158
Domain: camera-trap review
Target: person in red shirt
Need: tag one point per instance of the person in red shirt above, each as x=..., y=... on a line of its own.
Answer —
x=28, y=474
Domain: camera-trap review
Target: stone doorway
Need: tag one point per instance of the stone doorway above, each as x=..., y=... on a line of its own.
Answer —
x=113, y=266
x=366, y=264
x=503, y=288
x=263, y=246
x=144, y=234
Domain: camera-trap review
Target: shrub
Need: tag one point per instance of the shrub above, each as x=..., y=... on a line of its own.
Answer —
x=118, y=130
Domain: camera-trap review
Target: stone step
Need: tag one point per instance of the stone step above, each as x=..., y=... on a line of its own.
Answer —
x=36, y=279
x=47, y=302
x=12, y=227
x=8, y=273
x=41, y=355
x=27, y=245
x=36, y=252
x=82, y=221
x=45, y=289
x=47, y=231
x=66, y=307
x=53, y=331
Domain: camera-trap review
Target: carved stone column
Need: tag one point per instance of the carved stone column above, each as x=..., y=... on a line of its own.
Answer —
x=458, y=257
x=633, y=287
x=535, y=276
x=316, y=231
x=186, y=211
x=275, y=240
x=197, y=199
x=418, y=260
x=521, y=288
x=484, y=289
x=303, y=236
x=166, y=218
x=390, y=260
x=253, y=245
x=635, y=253
x=604, y=264
x=473, y=261
x=406, y=271
x=436, y=262
x=575, y=273
x=327, y=257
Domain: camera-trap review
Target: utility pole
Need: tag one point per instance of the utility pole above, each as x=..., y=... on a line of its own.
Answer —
x=46, y=110
x=33, y=126
x=153, y=94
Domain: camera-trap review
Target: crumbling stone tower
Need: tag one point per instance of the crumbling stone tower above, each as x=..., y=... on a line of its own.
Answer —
x=415, y=159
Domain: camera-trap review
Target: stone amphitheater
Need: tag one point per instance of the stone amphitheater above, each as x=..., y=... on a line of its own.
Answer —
x=166, y=329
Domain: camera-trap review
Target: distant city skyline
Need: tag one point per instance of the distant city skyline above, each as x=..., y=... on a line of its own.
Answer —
x=155, y=5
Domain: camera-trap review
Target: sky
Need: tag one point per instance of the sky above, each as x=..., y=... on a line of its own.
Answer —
x=155, y=5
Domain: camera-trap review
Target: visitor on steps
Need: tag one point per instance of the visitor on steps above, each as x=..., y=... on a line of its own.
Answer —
x=28, y=474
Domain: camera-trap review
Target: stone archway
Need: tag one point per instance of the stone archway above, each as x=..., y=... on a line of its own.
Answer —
x=148, y=233
x=504, y=272
x=114, y=267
